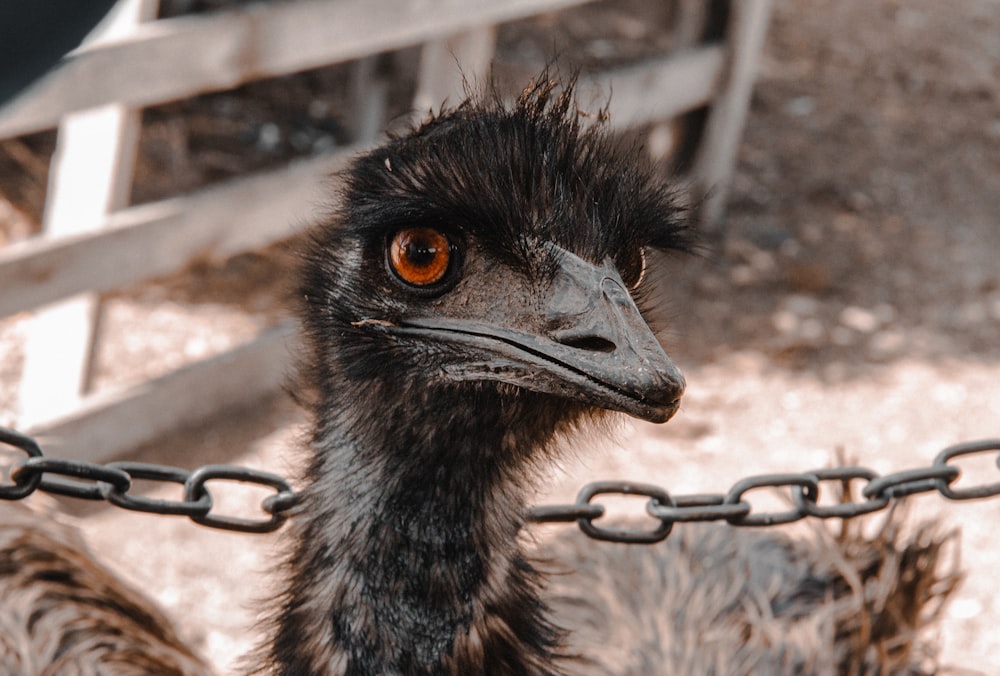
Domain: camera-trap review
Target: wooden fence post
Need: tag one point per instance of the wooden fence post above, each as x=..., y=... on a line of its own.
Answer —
x=448, y=64
x=91, y=177
x=369, y=97
x=724, y=126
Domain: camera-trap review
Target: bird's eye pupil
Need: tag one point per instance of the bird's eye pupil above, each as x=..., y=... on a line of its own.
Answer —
x=420, y=256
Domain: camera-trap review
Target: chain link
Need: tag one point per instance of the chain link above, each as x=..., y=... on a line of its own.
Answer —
x=113, y=482
x=162, y=473
x=808, y=502
x=195, y=487
x=656, y=495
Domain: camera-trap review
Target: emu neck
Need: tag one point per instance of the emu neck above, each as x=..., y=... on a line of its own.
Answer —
x=406, y=559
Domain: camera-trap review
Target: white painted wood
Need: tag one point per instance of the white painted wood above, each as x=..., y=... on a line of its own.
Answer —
x=155, y=239
x=171, y=59
x=724, y=127
x=658, y=88
x=91, y=175
x=451, y=66
x=109, y=423
x=369, y=98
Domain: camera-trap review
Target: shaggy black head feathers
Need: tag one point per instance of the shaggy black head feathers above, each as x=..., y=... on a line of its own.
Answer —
x=509, y=178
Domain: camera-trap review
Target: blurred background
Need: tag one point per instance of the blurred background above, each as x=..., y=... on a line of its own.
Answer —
x=847, y=303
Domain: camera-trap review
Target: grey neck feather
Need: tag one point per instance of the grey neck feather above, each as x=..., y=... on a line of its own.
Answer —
x=406, y=559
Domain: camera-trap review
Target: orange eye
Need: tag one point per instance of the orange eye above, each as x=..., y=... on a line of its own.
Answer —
x=420, y=256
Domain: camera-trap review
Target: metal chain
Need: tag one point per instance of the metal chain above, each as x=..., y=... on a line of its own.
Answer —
x=113, y=481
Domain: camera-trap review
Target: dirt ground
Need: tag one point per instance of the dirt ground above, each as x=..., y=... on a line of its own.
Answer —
x=849, y=303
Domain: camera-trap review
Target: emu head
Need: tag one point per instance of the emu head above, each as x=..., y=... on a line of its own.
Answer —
x=497, y=252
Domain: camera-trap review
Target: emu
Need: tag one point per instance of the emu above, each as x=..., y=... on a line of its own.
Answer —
x=478, y=296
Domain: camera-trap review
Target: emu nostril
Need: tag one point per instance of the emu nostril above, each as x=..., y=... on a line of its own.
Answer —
x=590, y=343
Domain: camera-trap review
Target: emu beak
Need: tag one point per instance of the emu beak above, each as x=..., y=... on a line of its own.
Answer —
x=594, y=346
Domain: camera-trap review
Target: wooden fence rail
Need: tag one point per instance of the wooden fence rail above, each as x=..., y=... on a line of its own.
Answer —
x=252, y=212
x=180, y=57
x=174, y=58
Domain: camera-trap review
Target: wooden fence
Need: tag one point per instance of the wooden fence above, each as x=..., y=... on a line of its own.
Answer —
x=95, y=243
